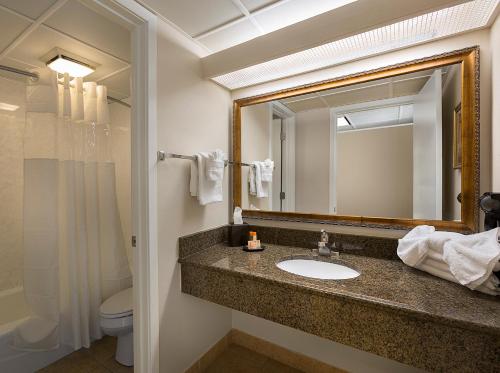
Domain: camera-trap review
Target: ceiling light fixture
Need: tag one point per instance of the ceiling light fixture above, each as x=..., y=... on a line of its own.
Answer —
x=8, y=107
x=64, y=62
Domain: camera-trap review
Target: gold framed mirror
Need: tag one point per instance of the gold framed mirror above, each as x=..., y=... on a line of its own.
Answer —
x=379, y=148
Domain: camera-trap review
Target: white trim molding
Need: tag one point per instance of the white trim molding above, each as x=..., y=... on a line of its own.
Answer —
x=143, y=24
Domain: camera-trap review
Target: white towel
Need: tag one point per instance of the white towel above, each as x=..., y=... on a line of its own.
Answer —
x=252, y=189
x=209, y=191
x=472, y=258
x=193, y=181
x=256, y=186
x=266, y=169
x=465, y=259
x=215, y=165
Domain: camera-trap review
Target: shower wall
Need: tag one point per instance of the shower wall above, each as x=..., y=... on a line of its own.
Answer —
x=11, y=182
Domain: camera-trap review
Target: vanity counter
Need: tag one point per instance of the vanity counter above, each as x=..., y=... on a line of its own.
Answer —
x=391, y=309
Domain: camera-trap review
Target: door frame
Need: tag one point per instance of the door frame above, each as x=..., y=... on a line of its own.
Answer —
x=143, y=24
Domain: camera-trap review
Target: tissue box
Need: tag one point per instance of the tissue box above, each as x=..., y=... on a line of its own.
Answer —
x=238, y=234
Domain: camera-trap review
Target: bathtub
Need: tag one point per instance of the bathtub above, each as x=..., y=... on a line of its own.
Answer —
x=13, y=311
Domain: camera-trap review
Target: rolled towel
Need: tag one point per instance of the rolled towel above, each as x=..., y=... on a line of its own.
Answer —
x=471, y=258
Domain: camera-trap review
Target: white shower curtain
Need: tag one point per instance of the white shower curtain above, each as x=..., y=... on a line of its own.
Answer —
x=74, y=249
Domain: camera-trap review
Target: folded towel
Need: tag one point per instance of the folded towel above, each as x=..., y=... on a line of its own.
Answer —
x=209, y=191
x=193, y=181
x=266, y=169
x=256, y=186
x=252, y=188
x=472, y=258
x=465, y=259
x=215, y=165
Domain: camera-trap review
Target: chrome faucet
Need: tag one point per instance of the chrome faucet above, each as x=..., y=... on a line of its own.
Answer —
x=323, y=247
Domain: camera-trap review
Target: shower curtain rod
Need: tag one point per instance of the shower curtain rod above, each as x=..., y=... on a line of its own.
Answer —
x=34, y=76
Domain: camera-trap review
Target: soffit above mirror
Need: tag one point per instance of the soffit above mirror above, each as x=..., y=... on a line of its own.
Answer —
x=446, y=22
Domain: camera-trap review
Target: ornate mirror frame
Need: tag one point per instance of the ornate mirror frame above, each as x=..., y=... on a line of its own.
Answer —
x=469, y=59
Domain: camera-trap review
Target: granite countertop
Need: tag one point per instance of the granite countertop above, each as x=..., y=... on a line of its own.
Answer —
x=389, y=284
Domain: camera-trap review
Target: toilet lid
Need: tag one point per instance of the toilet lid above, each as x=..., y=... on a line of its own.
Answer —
x=118, y=305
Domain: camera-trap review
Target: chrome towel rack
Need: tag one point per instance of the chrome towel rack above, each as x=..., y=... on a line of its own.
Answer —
x=163, y=155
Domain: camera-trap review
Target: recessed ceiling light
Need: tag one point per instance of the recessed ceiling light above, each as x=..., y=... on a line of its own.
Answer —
x=64, y=64
x=8, y=107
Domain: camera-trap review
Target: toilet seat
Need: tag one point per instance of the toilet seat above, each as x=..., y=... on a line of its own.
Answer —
x=118, y=305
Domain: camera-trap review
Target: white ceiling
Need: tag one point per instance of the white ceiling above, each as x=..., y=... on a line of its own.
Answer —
x=220, y=24
x=74, y=27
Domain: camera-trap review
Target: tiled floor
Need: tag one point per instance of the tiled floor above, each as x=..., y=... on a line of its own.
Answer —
x=237, y=359
x=99, y=358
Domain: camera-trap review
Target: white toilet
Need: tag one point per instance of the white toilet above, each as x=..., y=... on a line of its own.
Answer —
x=116, y=320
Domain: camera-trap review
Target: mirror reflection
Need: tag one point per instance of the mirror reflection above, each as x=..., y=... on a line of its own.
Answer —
x=387, y=148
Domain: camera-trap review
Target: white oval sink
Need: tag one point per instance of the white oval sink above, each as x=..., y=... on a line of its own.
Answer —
x=317, y=269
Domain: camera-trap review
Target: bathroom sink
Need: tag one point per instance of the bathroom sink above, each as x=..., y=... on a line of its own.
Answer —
x=317, y=269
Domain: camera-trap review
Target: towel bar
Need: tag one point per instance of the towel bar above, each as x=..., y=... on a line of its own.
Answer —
x=162, y=155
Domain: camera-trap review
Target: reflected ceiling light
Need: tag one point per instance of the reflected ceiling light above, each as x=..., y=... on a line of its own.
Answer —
x=343, y=122
x=8, y=107
x=445, y=22
x=64, y=62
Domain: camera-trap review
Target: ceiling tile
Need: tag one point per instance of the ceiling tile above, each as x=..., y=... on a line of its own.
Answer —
x=293, y=11
x=32, y=9
x=409, y=87
x=118, y=85
x=308, y=104
x=372, y=93
x=232, y=35
x=82, y=23
x=44, y=40
x=12, y=26
x=195, y=16
x=253, y=5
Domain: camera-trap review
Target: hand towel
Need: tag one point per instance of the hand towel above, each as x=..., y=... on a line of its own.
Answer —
x=209, y=191
x=193, y=181
x=471, y=258
x=266, y=169
x=252, y=189
x=215, y=165
x=260, y=186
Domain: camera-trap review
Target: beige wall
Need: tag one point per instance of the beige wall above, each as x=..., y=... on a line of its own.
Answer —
x=452, y=182
x=193, y=115
x=255, y=121
x=375, y=172
x=312, y=161
x=495, y=135
x=11, y=184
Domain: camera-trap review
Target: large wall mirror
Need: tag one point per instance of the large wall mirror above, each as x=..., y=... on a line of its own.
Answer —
x=394, y=147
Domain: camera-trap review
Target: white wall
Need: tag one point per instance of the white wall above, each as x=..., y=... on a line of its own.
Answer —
x=312, y=161
x=193, y=115
x=495, y=135
x=323, y=350
x=375, y=172
x=255, y=137
x=11, y=184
